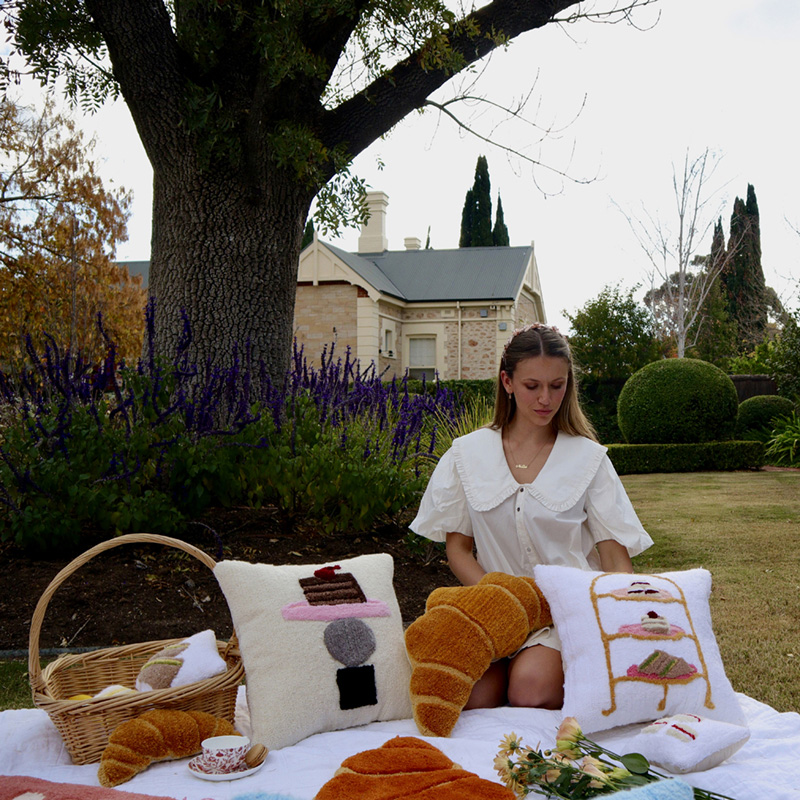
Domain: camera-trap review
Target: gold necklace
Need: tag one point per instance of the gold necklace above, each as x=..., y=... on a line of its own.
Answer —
x=535, y=455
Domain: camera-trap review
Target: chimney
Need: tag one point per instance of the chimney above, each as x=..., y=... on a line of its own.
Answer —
x=373, y=232
x=412, y=243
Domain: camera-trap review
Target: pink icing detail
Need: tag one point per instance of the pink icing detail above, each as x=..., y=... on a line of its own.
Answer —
x=302, y=610
x=633, y=672
x=638, y=630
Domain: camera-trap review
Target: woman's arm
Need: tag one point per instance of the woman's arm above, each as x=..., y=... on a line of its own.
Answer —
x=613, y=556
x=463, y=563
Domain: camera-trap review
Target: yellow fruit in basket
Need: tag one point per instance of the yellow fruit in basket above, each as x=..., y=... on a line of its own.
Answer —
x=80, y=697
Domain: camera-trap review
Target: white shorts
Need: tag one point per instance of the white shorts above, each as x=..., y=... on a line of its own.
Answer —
x=545, y=636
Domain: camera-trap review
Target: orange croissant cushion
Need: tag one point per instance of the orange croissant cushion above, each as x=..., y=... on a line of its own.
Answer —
x=463, y=629
x=411, y=769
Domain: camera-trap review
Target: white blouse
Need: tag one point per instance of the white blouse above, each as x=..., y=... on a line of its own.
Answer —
x=576, y=501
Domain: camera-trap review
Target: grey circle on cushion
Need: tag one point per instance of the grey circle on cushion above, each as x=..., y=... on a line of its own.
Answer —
x=350, y=641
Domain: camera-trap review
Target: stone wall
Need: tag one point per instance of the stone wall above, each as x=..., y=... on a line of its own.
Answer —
x=318, y=310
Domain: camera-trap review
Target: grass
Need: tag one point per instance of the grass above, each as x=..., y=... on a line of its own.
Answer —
x=744, y=527
x=15, y=691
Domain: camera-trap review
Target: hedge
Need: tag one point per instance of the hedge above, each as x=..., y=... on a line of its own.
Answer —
x=630, y=459
x=678, y=400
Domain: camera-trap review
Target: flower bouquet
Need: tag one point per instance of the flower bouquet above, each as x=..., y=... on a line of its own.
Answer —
x=576, y=768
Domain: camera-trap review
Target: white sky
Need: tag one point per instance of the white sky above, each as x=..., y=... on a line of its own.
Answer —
x=718, y=73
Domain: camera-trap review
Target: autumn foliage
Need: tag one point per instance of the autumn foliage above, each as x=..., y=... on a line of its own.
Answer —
x=59, y=228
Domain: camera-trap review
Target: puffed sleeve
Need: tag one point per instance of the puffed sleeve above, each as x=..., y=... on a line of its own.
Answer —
x=610, y=513
x=443, y=507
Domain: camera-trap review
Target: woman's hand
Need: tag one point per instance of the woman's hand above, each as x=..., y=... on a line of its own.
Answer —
x=461, y=559
x=614, y=556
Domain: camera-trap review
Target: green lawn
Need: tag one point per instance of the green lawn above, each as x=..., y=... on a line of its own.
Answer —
x=745, y=528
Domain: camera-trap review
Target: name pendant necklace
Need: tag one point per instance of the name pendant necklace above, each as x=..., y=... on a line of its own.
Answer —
x=514, y=457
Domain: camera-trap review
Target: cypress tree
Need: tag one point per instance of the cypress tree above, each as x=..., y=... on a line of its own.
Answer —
x=308, y=234
x=476, y=218
x=465, y=240
x=744, y=277
x=717, y=255
x=500, y=232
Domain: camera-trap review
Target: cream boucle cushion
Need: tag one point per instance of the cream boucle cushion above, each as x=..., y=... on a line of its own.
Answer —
x=322, y=645
x=637, y=647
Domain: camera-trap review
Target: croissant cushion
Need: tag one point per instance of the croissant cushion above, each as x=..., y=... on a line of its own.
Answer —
x=409, y=768
x=464, y=629
x=157, y=735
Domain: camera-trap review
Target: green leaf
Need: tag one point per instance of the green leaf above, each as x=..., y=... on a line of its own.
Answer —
x=635, y=763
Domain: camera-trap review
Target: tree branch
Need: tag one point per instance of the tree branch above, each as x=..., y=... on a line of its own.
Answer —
x=389, y=98
x=367, y=115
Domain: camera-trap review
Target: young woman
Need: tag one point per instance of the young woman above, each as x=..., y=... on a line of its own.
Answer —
x=534, y=487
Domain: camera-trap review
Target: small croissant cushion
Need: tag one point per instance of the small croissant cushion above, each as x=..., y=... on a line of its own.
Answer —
x=464, y=629
x=408, y=768
x=159, y=734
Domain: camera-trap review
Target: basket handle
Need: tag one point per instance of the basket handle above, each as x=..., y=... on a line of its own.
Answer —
x=34, y=667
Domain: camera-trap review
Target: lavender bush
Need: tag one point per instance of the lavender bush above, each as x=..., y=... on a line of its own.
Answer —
x=92, y=450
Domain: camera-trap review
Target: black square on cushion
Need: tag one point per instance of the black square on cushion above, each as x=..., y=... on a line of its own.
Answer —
x=356, y=687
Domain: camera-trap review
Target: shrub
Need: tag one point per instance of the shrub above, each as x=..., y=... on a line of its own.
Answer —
x=756, y=415
x=629, y=459
x=679, y=400
x=599, y=401
x=784, y=446
x=82, y=454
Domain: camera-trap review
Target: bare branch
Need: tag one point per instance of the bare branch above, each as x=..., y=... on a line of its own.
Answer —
x=685, y=280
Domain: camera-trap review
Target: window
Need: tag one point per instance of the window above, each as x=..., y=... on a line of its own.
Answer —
x=388, y=345
x=422, y=357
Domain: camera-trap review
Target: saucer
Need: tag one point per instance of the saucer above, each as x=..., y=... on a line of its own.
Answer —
x=220, y=776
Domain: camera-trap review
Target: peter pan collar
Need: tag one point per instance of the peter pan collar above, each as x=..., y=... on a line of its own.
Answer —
x=487, y=480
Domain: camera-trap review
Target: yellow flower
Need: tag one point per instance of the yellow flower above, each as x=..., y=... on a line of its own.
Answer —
x=502, y=766
x=510, y=743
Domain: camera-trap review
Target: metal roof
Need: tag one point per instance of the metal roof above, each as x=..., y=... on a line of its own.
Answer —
x=466, y=273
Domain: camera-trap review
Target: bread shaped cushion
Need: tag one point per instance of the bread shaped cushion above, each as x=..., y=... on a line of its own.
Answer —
x=410, y=768
x=156, y=735
x=464, y=629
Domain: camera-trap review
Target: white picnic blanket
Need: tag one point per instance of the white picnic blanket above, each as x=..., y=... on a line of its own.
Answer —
x=766, y=767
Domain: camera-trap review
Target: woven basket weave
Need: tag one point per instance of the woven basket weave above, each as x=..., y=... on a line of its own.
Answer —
x=85, y=725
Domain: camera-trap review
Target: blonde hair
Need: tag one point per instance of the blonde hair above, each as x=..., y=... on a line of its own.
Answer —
x=533, y=341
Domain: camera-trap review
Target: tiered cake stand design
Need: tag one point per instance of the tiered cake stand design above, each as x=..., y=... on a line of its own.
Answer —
x=676, y=634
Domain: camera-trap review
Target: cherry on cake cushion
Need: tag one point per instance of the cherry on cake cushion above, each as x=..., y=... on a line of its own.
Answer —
x=637, y=647
x=322, y=645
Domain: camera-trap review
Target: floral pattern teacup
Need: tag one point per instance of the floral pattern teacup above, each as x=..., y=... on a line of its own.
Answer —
x=224, y=754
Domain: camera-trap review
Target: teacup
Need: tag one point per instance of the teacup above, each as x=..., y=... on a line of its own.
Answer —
x=224, y=754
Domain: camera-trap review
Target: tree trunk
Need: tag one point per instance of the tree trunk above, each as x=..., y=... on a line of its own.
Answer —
x=228, y=258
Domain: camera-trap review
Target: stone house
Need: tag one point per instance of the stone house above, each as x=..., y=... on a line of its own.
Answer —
x=428, y=311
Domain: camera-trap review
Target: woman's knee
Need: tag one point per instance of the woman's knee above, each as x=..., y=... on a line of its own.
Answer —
x=536, y=679
x=535, y=693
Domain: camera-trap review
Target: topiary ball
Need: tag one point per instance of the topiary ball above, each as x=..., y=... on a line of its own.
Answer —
x=677, y=401
x=756, y=415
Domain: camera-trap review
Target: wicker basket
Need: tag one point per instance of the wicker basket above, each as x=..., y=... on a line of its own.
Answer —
x=85, y=725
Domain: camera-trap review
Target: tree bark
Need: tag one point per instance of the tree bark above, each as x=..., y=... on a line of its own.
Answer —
x=226, y=242
x=230, y=262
